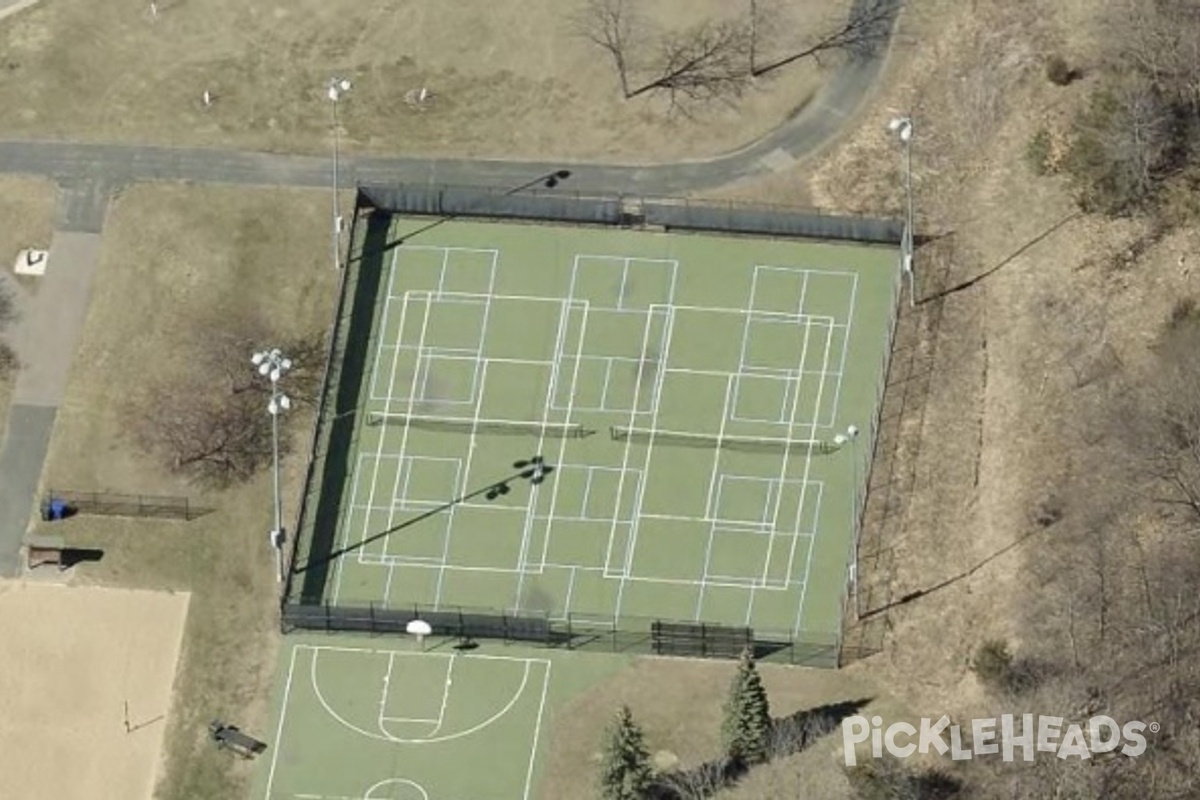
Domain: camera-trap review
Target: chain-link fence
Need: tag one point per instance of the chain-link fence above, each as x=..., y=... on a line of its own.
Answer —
x=115, y=504
x=633, y=635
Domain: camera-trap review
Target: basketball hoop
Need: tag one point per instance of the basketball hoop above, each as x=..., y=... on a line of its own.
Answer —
x=420, y=629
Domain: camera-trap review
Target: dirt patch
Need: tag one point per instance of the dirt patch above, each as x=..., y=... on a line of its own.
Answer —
x=170, y=252
x=74, y=660
x=508, y=79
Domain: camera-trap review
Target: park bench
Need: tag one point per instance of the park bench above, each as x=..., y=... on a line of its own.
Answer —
x=230, y=736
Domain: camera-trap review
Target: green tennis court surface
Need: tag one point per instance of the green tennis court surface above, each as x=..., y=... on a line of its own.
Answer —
x=686, y=390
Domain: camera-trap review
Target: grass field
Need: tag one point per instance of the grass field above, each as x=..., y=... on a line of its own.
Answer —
x=509, y=80
x=686, y=391
x=171, y=254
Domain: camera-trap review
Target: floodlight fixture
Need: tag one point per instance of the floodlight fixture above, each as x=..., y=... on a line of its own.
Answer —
x=273, y=364
x=903, y=128
x=335, y=89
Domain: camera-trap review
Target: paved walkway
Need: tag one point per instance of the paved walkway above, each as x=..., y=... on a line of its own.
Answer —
x=46, y=337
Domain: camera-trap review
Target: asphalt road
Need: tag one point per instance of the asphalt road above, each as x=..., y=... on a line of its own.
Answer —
x=803, y=135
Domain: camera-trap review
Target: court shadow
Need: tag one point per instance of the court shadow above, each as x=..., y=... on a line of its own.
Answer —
x=72, y=556
x=335, y=460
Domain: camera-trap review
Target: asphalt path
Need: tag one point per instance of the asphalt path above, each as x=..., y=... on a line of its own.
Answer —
x=803, y=135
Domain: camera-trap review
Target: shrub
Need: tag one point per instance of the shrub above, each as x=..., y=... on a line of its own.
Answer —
x=993, y=663
x=1183, y=312
x=1037, y=152
x=1059, y=72
x=8, y=361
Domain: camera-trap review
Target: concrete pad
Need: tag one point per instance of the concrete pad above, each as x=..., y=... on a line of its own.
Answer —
x=81, y=206
x=47, y=335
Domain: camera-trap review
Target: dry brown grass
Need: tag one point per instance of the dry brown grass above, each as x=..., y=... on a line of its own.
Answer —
x=26, y=220
x=170, y=252
x=678, y=702
x=509, y=78
x=1000, y=425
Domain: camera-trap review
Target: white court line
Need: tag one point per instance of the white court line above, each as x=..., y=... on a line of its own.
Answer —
x=562, y=447
x=820, y=490
x=337, y=588
x=726, y=411
x=639, y=497
x=412, y=400
x=633, y=412
x=537, y=730
x=608, y=363
x=710, y=508
x=287, y=691
x=442, y=272
x=837, y=392
x=587, y=493
x=812, y=545
x=808, y=456
x=570, y=591
x=425, y=740
x=441, y=718
x=480, y=298
x=564, y=318
x=472, y=445
x=478, y=390
x=383, y=694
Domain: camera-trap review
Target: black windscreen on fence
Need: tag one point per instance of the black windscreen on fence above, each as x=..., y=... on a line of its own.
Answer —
x=462, y=201
x=771, y=222
x=463, y=625
x=658, y=637
x=694, y=639
x=564, y=206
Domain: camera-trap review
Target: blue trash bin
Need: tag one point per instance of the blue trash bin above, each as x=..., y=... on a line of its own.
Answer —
x=58, y=509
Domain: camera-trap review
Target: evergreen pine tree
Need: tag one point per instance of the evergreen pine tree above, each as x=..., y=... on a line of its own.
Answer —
x=625, y=772
x=746, y=731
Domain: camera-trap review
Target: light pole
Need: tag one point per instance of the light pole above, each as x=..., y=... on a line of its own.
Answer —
x=903, y=128
x=336, y=88
x=842, y=439
x=274, y=365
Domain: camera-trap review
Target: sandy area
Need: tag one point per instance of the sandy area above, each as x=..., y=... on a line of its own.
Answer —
x=72, y=658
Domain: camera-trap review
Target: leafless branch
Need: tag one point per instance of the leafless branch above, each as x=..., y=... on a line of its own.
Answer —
x=866, y=28
x=611, y=25
x=701, y=65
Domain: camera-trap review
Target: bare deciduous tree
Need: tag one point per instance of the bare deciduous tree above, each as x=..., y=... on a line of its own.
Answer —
x=210, y=422
x=1161, y=39
x=867, y=27
x=612, y=25
x=764, y=23
x=214, y=437
x=701, y=65
x=1122, y=146
x=698, y=783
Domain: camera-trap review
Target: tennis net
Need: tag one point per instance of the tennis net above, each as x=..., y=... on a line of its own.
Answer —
x=749, y=444
x=505, y=427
